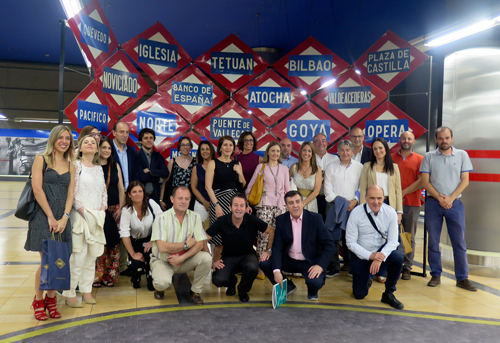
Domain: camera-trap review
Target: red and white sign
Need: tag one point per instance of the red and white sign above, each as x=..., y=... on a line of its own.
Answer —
x=130, y=79
x=310, y=49
x=157, y=52
x=350, y=115
x=231, y=54
x=192, y=75
x=309, y=112
x=389, y=61
x=389, y=111
x=263, y=142
x=98, y=53
x=170, y=145
x=269, y=115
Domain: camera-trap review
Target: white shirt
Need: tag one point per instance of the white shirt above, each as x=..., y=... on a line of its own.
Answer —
x=383, y=182
x=362, y=238
x=357, y=157
x=130, y=225
x=342, y=180
x=323, y=162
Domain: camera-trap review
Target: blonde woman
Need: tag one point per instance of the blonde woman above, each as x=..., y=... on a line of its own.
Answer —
x=306, y=176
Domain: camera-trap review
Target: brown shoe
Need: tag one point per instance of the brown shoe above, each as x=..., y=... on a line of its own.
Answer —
x=434, y=281
x=195, y=298
x=406, y=275
x=465, y=284
x=159, y=295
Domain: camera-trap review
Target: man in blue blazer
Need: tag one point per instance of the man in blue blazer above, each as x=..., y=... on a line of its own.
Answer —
x=124, y=155
x=301, y=245
x=151, y=165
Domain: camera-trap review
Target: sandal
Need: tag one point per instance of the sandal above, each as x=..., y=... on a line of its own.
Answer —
x=51, y=305
x=39, y=307
x=96, y=285
x=108, y=283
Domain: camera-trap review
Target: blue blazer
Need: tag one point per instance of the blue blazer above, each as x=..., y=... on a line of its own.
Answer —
x=132, y=165
x=157, y=170
x=317, y=244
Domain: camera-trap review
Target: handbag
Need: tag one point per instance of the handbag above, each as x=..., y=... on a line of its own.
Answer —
x=255, y=195
x=27, y=202
x=55, y=273
x=405, y=238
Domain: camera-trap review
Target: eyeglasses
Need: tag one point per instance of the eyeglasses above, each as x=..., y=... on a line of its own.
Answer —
x=320, y=141
x=93, y=134
x=185, y=145
x=248, y=141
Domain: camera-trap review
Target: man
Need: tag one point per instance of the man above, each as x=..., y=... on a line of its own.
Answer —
x=323, y=159
x=361, y=153
x=151, y=165
x=124, y=155
x=238, y=231
x=342, y=179
x=301, y=244
x=409, y=168
x=445, y=175
x=286, y=148
x=374, y=244
x=177, y=238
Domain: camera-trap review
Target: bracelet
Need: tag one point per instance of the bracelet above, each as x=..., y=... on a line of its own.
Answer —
x=161, y=199
x=216, y=203
x=66, y=214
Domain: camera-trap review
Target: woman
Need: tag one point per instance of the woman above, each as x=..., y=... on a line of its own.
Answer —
x=306, y=176
x=179, y=169
x=205, y=154
x=108, y=265
x=92, y=131
x=247, y=156
x=87, y=218
x=53, y=182
x=135, y=230
x=383, y=172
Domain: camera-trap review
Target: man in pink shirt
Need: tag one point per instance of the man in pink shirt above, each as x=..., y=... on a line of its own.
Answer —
x=298, y=248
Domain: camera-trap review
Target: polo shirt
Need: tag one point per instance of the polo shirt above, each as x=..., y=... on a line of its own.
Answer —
x=446, y=171
x=409, y=169
x=237, y=241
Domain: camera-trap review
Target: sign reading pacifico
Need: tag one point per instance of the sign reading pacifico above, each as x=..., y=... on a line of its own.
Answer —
x=90, y=113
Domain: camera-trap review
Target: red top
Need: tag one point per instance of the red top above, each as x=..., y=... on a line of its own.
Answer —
x=409, y=168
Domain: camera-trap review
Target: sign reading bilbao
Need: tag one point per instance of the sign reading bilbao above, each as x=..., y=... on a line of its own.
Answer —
x=93, y=33
x=310, y=64
x=270, y=97
x=229, y=120
x=350, y=98
x=389, y=61
x=90, y=108
x=157, y=52
x=122, y=84
x=232, y=63
x=192, y=94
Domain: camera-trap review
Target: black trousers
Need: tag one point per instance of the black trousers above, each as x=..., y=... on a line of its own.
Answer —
x=138, y=267
x=248, y=265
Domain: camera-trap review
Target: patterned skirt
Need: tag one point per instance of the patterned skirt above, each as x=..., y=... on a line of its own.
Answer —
x=224, y=199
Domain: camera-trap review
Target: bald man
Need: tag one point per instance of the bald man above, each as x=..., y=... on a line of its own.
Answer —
x=286, y=149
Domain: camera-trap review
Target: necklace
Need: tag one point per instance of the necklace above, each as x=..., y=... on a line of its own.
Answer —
x=275, y=179
x=305, y=171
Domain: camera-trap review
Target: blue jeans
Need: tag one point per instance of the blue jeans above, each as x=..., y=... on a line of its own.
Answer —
x=455, y=221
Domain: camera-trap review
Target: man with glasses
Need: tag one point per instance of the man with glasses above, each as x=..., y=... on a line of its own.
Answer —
x=323, y=159
x=361, y=153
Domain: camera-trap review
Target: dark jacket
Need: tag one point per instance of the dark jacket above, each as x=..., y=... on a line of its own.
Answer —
x=157, y=170
x=366, y=155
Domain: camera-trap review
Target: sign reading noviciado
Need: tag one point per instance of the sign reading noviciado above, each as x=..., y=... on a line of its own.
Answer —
x=94, y=33
x=269, y=97
x=90, y=113
x=164, y=124
x=390, y=130
x=388, y=61
x=231, y=63
x=119, y=82
x=233, y=127
x=349, y=97
x=305, y=130
x=158, y=53
x=310, y=65
x=196, y=94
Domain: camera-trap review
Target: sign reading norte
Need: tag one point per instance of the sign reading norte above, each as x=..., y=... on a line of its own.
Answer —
x=388, y=61
x=90, y=113
x=233, y=127
x=164, y=124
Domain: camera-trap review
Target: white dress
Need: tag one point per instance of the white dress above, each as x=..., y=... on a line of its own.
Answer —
x=305, y=183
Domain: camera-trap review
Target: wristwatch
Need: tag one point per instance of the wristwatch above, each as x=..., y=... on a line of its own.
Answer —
x=67, y=215
x=186, y=246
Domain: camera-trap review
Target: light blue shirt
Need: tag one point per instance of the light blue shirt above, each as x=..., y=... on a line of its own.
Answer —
x=122, y=156
x=290, y=161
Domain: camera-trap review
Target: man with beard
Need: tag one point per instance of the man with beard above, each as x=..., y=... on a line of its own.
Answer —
x=445, y=174
x=286, y=148
x=409, y=163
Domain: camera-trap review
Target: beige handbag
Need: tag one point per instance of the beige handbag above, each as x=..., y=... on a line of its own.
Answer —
x=406, y=240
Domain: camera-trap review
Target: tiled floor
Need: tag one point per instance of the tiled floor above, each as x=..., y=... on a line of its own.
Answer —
x=17, y=268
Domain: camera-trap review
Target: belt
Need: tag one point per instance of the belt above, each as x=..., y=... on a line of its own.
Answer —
x=304, y=192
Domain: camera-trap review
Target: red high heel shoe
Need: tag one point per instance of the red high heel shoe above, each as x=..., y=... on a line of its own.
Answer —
x=39, y=307
x=51, y=305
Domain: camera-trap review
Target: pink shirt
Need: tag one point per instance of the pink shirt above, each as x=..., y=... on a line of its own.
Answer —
x=295, y=251
x=275, y=191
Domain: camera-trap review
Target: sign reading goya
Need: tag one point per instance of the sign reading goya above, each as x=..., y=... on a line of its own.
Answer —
x=231, y=63
x=349, y=97
x=305, y=130
x=233, y=127
x=164, y=124
x=390, y=130
x=388, y=61
x=158, y=53
x=119, y=82
x=310, y=65
x=196, y=94
x=94, y=33
x=90, y=113
x=269, y=97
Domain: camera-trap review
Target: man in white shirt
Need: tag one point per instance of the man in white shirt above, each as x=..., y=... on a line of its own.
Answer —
x=323, y=159
x=372, y=236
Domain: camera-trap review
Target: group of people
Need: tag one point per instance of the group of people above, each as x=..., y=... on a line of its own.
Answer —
x=129, y=212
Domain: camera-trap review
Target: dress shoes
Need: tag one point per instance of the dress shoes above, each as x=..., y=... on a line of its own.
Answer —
x=195, y=298
x=290, y=287
x=159, y=295
x=406, y=274
x=465, y=284
x=243, y=296
x=389, y=298
x=434, y=281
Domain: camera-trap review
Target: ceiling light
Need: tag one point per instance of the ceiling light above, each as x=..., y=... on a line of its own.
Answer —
x=71, y=7
x=2, y=116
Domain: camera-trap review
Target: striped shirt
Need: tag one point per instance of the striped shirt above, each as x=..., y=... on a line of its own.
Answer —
x=167, y=228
